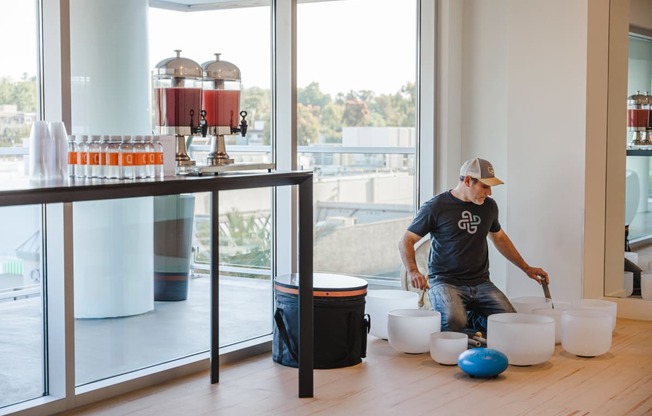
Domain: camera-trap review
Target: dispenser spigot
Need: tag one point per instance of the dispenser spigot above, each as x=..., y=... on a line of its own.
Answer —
x=202, y=128
x=242, y=128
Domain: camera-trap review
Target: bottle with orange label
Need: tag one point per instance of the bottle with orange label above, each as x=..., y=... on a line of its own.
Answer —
x=94, y=170
x=141, y=158
x=72, y=156
x=157, y=149
x=151, y=156
x=104, y=148
x=126, y=158
x=111, y=166
x=82, y=157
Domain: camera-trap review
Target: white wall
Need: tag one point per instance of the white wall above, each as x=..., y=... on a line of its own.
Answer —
x=523, y=108
x=543, y=87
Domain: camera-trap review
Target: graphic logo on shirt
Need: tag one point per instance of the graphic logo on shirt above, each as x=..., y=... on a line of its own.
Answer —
x=469, y=222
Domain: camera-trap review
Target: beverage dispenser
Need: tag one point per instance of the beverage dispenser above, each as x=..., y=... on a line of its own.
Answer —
x=177, y=92
x=221, y=101
x=638, y=115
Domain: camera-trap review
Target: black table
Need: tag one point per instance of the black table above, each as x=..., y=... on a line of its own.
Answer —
x=24, y=192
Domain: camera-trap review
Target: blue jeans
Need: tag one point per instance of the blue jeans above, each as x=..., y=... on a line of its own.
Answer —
x=464, y=308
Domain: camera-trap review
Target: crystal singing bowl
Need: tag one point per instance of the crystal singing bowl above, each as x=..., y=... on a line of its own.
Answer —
x=526, y=339
x=586, y=332
x=525, y=304
x=556, y=315
x=446, y=347
x=380, y=302
x=628, y=283
x=598, y=304
x=408, y=330
x=646, y=286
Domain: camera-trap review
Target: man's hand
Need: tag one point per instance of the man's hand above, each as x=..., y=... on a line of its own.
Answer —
x=537, y=274
x=419, y=281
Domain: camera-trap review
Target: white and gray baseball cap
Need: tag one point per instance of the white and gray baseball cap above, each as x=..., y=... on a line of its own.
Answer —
x=481, y=170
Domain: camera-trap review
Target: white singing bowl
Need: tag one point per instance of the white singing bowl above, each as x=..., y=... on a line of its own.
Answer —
x=555, y=313
x=600, y=305
x=628, y=283
x=446, y=347
x=380, y=302
x=526, y=339
x=586, y=332
x=525, y=304
x=646, y=286
x=408, y=330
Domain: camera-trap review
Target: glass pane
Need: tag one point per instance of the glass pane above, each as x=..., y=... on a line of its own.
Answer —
x=245, y=265
x=18, y=92
x=21, y=305
x=356, y=130
x=639, y=81
x=137, y=304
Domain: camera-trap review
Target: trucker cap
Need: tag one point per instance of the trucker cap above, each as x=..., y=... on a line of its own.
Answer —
x=481, y=170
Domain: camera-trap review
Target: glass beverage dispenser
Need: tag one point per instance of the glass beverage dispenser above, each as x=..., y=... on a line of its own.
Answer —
x=221, y=101
x=638, y=114
x=177, y=91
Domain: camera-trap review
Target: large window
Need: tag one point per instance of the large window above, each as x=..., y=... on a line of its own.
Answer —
x=356, y=117
x=21, y=304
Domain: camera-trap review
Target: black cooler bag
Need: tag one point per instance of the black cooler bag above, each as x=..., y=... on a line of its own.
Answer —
x=340, y=325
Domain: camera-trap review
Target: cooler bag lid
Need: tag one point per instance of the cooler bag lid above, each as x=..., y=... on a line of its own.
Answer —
x=324, y=285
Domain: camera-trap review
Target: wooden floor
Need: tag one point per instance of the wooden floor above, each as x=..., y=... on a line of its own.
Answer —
x=388, y=383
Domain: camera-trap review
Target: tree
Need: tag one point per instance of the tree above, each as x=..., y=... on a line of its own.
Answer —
x=307, y=124
x=331, y=123
x=356, y=113
x=21, y=93
x=256, y=102
x=312, y=95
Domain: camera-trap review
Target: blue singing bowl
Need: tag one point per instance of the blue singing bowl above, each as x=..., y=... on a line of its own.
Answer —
x=482, y=362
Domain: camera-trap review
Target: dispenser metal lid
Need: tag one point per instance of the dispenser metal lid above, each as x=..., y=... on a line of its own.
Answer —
x=178, y=67
x=221, y=70
x=638, y=99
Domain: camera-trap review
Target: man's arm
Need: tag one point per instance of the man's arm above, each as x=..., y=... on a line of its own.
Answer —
x=505, y=246
x=406, y=249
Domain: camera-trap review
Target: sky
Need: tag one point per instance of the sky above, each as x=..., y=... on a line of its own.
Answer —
x=340, y=44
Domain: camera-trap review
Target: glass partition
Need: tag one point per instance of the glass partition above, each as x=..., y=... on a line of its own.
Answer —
x=22, y=322
x=142, y=278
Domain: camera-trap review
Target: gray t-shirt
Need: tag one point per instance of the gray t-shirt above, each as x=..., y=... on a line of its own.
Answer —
x=458, y=236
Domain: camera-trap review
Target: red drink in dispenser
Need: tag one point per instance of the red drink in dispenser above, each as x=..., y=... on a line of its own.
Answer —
x=177, y=106
x=222, y=107
x=176, y=89
x=221, y=94
x=638, y=112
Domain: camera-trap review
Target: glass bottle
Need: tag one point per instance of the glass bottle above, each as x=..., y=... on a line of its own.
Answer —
x=151, y=156
x=158, y=157
x=72, y=156
x=94, y=157
x=126, y=158
x=104, y=147
x=82, y=157
x=111, y=162
x=140, y=157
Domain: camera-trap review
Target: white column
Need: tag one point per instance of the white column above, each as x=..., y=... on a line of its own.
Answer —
x=110, y=67
x=110, y=79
